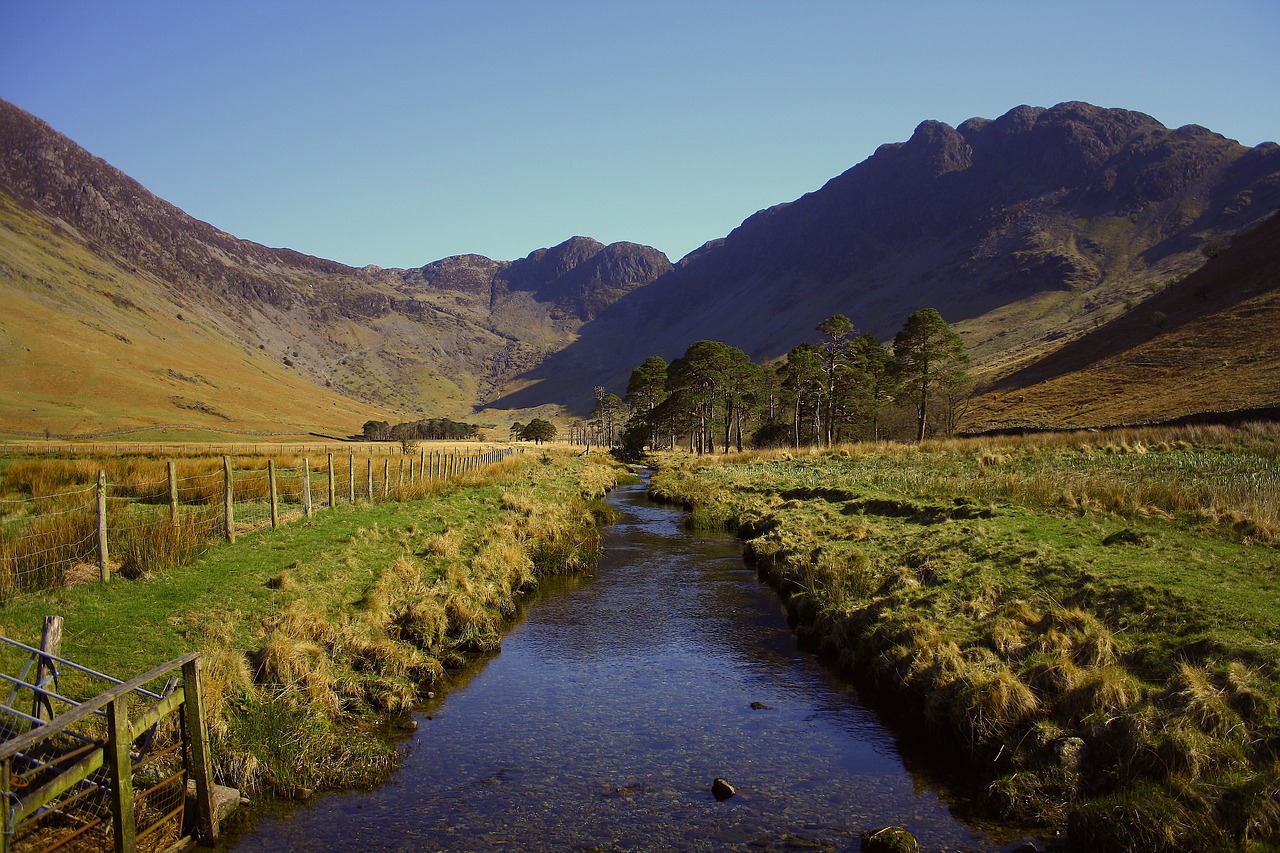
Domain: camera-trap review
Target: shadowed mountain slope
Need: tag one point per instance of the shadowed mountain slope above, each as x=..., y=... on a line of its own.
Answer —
x=1207, y=343
x=1025, y=232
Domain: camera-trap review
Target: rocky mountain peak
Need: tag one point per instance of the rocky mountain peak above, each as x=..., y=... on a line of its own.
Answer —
x=937, y=149
x=581, y=276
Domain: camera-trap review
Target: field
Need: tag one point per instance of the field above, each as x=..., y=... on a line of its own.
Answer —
x=1087, y=619
x=319, y=636
x=162, y=504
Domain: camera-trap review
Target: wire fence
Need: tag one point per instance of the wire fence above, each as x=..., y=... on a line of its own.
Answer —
x=131, y=523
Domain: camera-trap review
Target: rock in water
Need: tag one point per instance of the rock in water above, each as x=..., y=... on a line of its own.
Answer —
x=722, y=790
x=889, y=839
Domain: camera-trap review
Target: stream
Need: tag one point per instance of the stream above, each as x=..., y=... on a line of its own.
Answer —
x=615, y=702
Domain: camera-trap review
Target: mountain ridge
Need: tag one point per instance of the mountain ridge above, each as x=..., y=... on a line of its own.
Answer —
x=1026, y=231
x=407, y=342
x=986, y=222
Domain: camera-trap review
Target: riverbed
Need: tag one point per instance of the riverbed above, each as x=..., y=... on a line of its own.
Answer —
x=616, y=701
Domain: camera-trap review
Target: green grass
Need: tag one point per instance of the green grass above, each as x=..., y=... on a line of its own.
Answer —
x=315, y=635
x=1105, y=596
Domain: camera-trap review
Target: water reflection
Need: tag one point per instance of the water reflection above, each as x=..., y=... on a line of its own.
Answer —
x=614, y=705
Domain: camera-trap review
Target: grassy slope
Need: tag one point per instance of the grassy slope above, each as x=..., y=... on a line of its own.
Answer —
x=1206, y=343
x=83, y=350
x=1095, y=629
x=314, y=633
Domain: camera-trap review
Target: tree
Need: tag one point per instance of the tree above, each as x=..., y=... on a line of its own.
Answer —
x=838, y=330
x=538, y=431
x=711, y=381
x=407, y=435
x=377, y=431
x=647, y=387
x=517, y=430
x=636, y=436
x=877, y=367
x=607, y=416
x=804, y=382
x=928, y=354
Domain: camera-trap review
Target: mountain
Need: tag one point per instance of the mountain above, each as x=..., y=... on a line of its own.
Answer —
x=1025, y=231
x=1205, y=344
x=1029, y=232
x=87, y=247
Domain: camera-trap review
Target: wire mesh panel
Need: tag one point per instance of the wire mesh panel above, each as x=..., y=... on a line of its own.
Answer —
x=109, y=771
x=81, y=819
x=46, y=541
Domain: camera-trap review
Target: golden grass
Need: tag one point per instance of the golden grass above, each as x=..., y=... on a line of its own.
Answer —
x=48, y=521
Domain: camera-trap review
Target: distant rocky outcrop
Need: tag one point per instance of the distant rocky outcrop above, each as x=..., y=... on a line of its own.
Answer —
x=579, y=277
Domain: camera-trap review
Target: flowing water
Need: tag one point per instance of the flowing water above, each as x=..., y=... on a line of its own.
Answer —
x=615, y=703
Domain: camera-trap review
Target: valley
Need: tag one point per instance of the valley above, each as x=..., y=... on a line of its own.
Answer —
x=1079, y=615
x=1030, y=232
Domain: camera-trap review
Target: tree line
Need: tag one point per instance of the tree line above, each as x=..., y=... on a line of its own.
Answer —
x=426, y=429
x=843, y=386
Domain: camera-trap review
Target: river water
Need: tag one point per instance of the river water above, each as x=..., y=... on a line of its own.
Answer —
x=615, y=703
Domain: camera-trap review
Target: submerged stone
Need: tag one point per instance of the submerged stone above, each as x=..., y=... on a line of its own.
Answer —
x=889, y=839
x=722, y=790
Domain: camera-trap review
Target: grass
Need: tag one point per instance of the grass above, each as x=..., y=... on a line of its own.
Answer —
x=1088, y=618
x=48, y=516
x=317, y=635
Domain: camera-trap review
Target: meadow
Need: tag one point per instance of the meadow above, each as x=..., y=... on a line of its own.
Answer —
x=1087, y=621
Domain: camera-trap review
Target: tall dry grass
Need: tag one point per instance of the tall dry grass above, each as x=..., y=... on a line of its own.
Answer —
x=1224, y=477
x=48, y=516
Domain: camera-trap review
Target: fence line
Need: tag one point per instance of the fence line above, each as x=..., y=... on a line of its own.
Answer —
x=189, y=451
x=137, y=526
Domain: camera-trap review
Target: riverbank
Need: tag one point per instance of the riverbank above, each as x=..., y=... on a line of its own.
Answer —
x=1086, y=621
x=617, y=700
x=318, y=638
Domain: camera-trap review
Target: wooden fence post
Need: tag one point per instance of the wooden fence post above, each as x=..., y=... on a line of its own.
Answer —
x=306, y=487
x=200, y=769
x=228, y=499
x=120, y=772
x=104, y=561
x=333, y=494
x=351, y=477
x=50, y=643
x=173, y=492
x=369, y=484
x=271, y=492
x=6, y=816
x=400, y=481
x=386, y=476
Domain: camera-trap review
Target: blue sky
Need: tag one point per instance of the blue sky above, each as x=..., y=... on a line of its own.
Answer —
x=398, y=133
